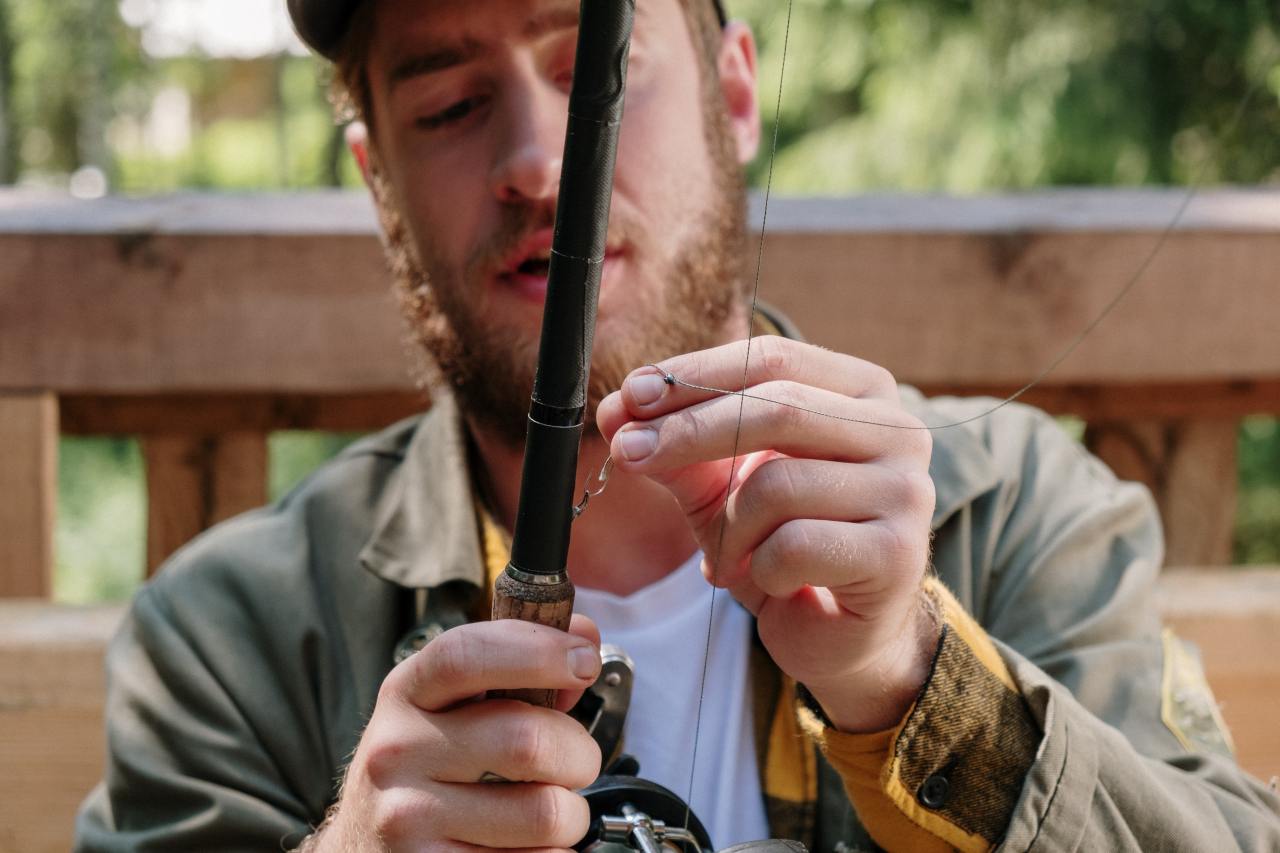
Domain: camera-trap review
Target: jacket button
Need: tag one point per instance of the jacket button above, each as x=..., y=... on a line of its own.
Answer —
x=933, y=793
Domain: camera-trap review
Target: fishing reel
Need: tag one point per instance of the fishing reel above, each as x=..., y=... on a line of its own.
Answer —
x=629, y=813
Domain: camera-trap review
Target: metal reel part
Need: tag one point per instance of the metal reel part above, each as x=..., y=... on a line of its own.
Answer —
x=628, y=813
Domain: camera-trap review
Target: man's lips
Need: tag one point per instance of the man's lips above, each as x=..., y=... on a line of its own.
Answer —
x=524, y=270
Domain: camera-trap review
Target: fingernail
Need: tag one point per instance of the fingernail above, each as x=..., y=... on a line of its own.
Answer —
x=636, y=444
x=646, y=388
x=584, y=662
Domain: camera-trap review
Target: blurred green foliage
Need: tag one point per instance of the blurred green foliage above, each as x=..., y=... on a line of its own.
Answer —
x=100, y=537
x=1257, y=537
x=951, y=96
x=100, y=540
x=975, y=95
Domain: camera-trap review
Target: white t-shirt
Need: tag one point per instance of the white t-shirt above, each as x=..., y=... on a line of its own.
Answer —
x=663, y=629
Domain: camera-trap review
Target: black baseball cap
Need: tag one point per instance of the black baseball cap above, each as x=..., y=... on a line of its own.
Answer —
x=322, y=23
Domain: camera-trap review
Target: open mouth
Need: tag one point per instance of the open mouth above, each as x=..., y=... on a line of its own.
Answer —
x=535, y=266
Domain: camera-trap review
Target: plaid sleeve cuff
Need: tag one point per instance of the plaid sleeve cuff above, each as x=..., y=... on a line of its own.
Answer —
x=950, y=773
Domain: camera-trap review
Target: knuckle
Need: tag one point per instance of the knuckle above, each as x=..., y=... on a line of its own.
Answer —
x=395, y=684
x=786, y=408
x=917, y=440
x=904, y=550
x=589, y=760
x=778, y=355
x=383, y=759
x=555, y=816
x=917, y=491
x=397, y=815
x=450, y=657
x=790, y=543
x=683, y=429
x=526, y=746
x=881, y=379
x=761, y=490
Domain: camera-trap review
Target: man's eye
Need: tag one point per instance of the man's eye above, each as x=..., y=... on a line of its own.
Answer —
x=449, y=115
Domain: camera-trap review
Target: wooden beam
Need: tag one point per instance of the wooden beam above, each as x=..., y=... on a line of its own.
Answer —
x=141, y=296
x=1190, y=467
x=239, y=474
x=193, y=482
x=1001, y=308
x=1149, y=400
x=136, y=414
x=147, y=414
x=29, y=486
x=51, y=732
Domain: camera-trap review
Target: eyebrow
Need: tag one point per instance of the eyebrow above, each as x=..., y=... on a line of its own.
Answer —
x=435, y=58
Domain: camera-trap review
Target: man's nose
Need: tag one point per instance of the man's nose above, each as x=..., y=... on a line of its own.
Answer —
x=527, y=165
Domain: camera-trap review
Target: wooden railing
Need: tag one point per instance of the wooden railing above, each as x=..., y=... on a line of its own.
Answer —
x=202, y=323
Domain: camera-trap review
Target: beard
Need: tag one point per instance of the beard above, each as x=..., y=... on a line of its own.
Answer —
x=489, y=366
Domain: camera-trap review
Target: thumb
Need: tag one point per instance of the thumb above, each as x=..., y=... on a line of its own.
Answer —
x=579, y=626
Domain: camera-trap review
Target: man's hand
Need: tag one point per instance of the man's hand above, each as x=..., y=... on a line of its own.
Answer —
x=823, y=530
x=415, y=780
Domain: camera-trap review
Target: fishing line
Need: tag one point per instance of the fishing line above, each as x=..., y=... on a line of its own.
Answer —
x=711, y=613
x=1192, y=190
x=671, y=379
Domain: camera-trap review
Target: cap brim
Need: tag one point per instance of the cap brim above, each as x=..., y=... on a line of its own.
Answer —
x=321, y=24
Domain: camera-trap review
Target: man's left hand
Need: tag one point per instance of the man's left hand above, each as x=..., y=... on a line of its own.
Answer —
x=820, y=528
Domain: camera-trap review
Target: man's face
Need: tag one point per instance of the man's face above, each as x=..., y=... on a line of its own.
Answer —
x=469, y=102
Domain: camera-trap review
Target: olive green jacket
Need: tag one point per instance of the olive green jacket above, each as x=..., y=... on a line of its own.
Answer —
x=241, y=679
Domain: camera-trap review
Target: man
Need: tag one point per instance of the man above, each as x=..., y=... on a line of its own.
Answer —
x=1024, y=696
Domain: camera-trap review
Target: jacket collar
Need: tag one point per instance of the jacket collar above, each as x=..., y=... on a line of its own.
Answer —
x=425, y=531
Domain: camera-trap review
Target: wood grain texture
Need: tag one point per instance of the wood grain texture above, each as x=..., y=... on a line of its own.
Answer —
x=1190, y=467
x=195, y=481
x=148, y=313
x=28, y=493
x=51, y=735
x=142, y=296
x=147, y=414
x=543, y=604
x=1137, y=400
x=972, y=308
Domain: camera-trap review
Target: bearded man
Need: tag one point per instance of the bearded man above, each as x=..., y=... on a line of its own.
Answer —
x=1019, y=694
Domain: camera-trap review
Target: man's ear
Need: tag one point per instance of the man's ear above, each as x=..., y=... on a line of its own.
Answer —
x=357, y=136
x=737, y=66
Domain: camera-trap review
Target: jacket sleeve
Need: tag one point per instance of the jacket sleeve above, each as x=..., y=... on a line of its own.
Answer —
x=192, y=762
x=1062, y=562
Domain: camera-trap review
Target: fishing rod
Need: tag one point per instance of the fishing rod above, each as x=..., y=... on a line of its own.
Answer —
x=535, y=585
x=627, y=812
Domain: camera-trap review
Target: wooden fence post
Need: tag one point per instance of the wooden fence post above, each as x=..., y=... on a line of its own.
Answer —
x=195, y=481
x=1190, y=467
x=29, y=490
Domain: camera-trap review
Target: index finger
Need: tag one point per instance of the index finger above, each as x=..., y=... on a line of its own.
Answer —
x=692, y=378
x=508, y=654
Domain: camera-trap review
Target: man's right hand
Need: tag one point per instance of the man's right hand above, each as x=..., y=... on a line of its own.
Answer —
x=414, y=782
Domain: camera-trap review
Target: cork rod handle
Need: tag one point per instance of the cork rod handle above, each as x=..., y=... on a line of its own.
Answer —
x=549, y=604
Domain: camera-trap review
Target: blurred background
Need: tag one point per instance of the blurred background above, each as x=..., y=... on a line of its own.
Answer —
x=952, y=96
